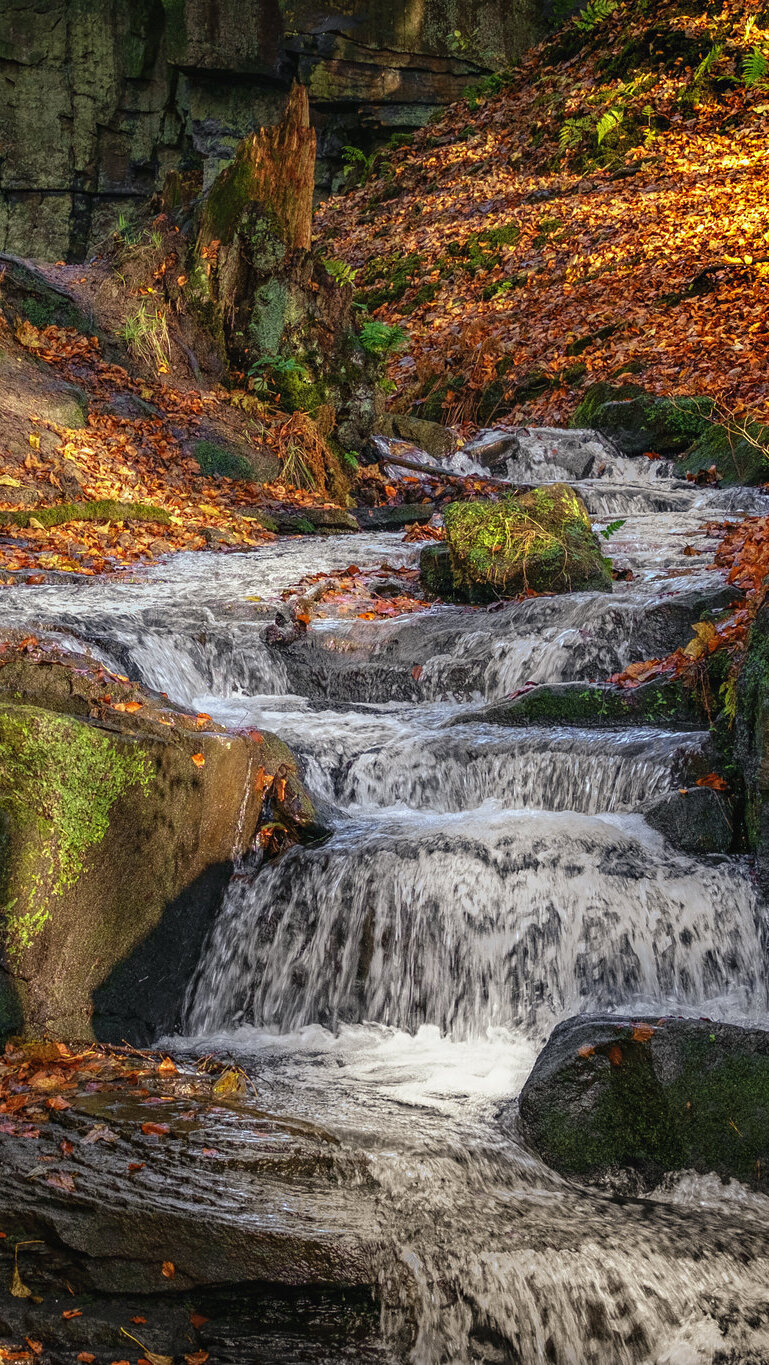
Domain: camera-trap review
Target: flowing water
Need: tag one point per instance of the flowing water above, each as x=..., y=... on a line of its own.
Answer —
x=481, y=883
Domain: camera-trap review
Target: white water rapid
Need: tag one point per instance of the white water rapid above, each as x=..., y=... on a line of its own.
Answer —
x=481, y=882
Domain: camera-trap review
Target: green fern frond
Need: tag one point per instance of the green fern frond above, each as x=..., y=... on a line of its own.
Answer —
x=595, y=13
x=608, y=122
x=755, y=67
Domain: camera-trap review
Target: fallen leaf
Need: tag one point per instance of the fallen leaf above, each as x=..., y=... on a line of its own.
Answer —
x=38, y=525
x=202, y=719
x=198, y=1320
x=198, y=1358
x=61, y=1180
x=167, y=1067
x=714, y=781
x=230, y=1085
x=34, y=440
x=130, y=706
x=72, y=1313
x=156, y=1129
x=642, y=1033
x=199, y=760
x=168, y=1270
x=615, y=1054
x=134, y=1166
x=586, y=1050
x=36, y=1347
x=138, y=1320
x=86, y=1358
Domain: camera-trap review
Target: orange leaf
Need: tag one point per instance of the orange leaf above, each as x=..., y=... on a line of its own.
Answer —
x=72, y=1313
x=86, y=1357
x=156, y=1129
x=169, y=1270
x=202, y=719
x=168, y=1068
x=714, y=781
x=586, y=1051
x=197, y=1320
x=199, y=760
x=130, y=706
x=615, y=1054
x=642, y=1033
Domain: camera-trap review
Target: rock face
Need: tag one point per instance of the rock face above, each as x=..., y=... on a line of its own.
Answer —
x=120, y=817
x=636, y=421
x=541, y=541
x=102, y=101
x=752, y=741
x=649, y=1096
x=273, y=308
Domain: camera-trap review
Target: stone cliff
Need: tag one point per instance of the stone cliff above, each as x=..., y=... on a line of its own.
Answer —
x=100, y=100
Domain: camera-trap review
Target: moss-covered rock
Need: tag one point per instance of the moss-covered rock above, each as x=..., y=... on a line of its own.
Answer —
x=101, y=509
x=637, y=421
x=739, y=457
x=541, y=541
x=120, y=820
x=752, y=741
x=229, y=459
x=664, y=704
x=648, y=1096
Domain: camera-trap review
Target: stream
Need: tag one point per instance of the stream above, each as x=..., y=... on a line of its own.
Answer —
x=482, y=882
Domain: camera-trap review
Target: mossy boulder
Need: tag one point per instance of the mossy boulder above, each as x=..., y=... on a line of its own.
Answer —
x=641, y=1097
x=636, y=421
x=752, y=741
x=541, y=541
x=663, y=703
x=739, y=457
x=120, y=820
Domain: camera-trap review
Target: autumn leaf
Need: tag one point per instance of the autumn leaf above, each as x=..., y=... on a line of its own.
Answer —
x=168, y=1270
x=86, y=1357
x=130, y=706
x=642, y=1033
x=156, y=1129
x=61, y=1180
x=230, y=1085
x=714, y=781
x=167, y=1067
x=199, y=760
x=615, y=1054
x=72, y=1313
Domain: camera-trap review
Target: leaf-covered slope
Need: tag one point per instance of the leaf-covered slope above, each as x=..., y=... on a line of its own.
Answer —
x=605, y=209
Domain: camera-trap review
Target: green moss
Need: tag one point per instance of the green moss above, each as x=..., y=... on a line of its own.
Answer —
x=215, y=460
x=541, y=541
x=739, y=456
x=100, y=510
x=59, y=779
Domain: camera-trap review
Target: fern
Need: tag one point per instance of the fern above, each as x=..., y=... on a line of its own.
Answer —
x=608, y=122
x=755, y=67
x=572, y=132
x=340, y=270
x=595, y=13
x=708, y=62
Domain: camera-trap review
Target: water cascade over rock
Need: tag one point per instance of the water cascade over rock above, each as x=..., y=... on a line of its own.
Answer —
x=483, y=882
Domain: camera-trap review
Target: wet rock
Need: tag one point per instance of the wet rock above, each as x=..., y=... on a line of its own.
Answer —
x=737, y=457
x=541, y=541
x=435, y=571
x=664, y=704
x=752, y=741
x=120, y=817
x=124, y=1208
x=637, y=421
x=431, y=437
x=216, y=538
x=393, y=518
x=315, y=521
x=572, y=454
x=697, y=820
x=647, y=1096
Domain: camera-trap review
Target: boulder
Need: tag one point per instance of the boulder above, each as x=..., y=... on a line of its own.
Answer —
x=613, y=1096
x=697, y=820
x=665, y=704
x=739, y=457
x=636, y=421
x=535, y=450
x=120, y=818
x=432, y=437
x=540, y=541
x=393, y=518
x=751, y=741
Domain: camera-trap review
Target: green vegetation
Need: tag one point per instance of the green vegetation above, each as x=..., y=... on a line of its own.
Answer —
x=146, y=334
x=379, y=339
x=215, y=460
x=59, y=780
x=104, y=509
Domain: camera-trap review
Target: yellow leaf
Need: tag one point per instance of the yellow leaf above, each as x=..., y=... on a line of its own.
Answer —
x=7, y=482
x=34, y=440
x=230, y=1085
x=209, y=511
x=38, y=525
x=198, y=760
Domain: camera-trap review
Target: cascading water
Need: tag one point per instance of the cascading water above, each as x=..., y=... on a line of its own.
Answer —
x=395, y=983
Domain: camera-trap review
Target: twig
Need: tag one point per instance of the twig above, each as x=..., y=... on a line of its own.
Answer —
x=443, y=474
